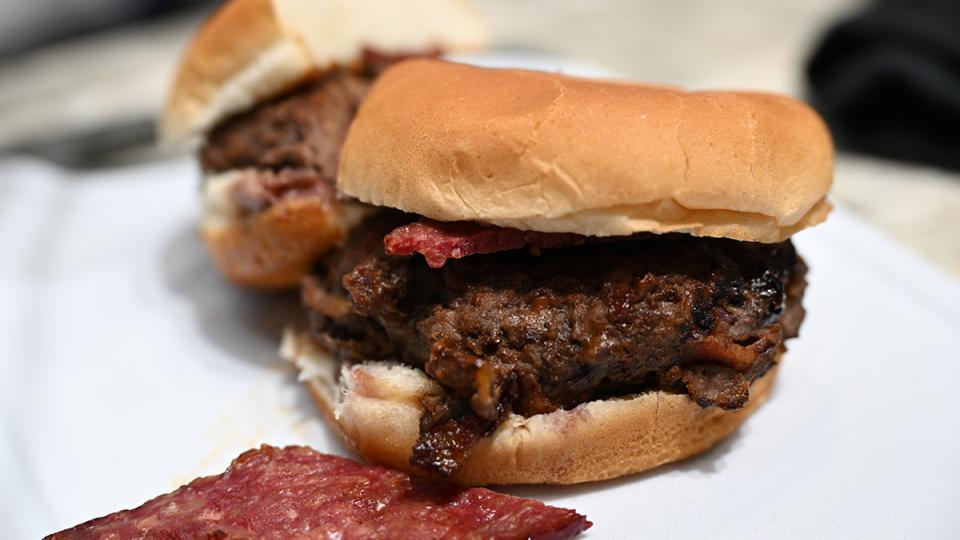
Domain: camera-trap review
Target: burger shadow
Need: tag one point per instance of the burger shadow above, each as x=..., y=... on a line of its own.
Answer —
x=707, y=463
x=247, y=324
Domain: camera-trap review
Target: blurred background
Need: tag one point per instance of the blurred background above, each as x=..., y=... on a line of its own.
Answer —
x=82, y=80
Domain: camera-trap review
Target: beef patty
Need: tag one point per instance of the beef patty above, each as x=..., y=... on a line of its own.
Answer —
x=289, y=146
x=303, y=129
x=525, y=333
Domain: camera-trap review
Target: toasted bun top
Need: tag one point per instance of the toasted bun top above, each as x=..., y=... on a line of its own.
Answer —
x=251, y=50
x=547, y=152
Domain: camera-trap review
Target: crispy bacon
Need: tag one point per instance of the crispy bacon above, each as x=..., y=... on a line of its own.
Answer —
x=297, y=492
x=438, y=241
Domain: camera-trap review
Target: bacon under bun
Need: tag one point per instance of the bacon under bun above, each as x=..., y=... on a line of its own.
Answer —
x=551, y=153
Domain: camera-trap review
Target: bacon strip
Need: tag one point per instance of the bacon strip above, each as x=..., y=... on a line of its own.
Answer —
x=438, y=241
x=297, y=492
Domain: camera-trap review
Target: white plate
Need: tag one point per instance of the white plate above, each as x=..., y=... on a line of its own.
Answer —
x=127, y=367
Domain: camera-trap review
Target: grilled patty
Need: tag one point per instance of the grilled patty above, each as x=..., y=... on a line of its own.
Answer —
x=288, y=147
x=303, y=129
x=532, y=333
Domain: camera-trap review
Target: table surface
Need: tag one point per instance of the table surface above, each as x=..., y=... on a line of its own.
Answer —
x=756, y=44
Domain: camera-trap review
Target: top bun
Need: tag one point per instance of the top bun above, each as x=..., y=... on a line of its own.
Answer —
x=251, y=50
x=546, y=152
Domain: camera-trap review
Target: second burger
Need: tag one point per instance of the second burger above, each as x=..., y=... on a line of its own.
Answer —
x=269, y=88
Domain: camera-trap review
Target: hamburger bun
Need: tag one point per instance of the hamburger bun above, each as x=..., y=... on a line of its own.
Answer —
x=547, y=152
x=375, y=409
x=274, y=248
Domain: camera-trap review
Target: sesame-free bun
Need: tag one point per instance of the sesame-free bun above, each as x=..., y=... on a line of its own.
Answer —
x=251, y=50
x=547, y=152
x=375, y=409
x=274, y=248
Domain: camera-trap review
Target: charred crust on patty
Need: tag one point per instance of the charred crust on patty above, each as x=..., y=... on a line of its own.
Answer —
x=519, y=333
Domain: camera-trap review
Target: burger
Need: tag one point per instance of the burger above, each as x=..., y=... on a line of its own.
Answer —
x=268, y=89
x=561, y=280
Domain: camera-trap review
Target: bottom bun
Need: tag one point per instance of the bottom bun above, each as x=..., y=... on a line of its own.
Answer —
x=375, y=408
x=273, y=248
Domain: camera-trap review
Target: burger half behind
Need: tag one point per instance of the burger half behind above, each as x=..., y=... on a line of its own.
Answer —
x=268, y=89
x=565, y=280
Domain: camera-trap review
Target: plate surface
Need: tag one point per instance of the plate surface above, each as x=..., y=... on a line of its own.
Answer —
x=127, y=367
